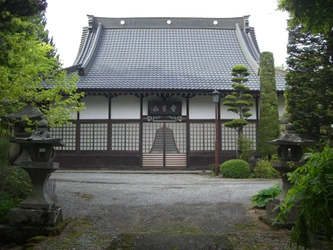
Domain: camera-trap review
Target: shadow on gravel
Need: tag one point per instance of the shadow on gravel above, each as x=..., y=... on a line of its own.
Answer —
x=175, y=227
x=182, y=218
x=170, y=242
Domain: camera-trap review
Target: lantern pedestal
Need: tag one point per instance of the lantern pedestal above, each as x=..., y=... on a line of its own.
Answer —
x=290, y=154
x=283, y=168
x=37, y=209
x=39, y=173
x=37, y=214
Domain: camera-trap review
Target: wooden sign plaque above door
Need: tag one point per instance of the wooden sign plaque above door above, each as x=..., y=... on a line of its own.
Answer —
x=165, y=108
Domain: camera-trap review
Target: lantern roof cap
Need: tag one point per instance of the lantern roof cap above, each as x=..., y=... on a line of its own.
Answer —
x=28, y=111
x=291, y=138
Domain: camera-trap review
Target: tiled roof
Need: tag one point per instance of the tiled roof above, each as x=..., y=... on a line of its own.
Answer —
x=167, y=54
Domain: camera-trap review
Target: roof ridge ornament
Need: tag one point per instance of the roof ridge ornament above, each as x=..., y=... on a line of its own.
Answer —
x=90, y=22
x=84, y=68
x=246, y=24
x=166, y=22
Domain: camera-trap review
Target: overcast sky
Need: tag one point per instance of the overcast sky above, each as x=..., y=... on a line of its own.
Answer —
x=66, y=18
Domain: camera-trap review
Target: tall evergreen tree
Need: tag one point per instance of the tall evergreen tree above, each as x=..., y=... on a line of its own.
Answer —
x=314, y=16
x=309, y=102
x=268, y=124
x=309, y=90
x=29, y=72
x=41, y=21
x=12, y=11
x=20, y=8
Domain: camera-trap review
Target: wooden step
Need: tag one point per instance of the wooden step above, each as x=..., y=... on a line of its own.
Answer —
x=171, y=160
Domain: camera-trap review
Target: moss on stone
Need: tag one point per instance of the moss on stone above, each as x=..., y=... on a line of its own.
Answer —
x=37, y=239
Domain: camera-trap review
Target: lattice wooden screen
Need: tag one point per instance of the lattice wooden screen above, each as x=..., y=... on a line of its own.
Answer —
x=179, y=134
x=202, y=136
x=148, y=135
x=125, y=136
x=149, y=131
x=229, y=136
x=93, y=136
x=67, y=133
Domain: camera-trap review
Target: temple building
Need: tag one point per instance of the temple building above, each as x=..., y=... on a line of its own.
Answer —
x=148, y=85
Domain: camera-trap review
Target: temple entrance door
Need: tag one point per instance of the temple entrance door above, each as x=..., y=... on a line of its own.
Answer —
x=164, y=145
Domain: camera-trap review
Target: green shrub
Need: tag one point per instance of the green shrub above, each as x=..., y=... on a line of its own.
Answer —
x=312, y=194
x=6, y=204
x=4, y=148
x=15, y=185
x=265, y=195
x=264, y=169
x=15, y=182
x=235, y=168
x=212, y=168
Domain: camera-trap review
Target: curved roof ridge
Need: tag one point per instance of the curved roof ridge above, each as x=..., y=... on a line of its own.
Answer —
x=84, y=45
x=88, y=60
x=246, y=50
x=254, y=39
x=253, y=46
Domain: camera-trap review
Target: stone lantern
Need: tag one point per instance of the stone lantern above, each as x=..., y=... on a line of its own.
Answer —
x=21, y=128
x=290, y=154
x=36, y=159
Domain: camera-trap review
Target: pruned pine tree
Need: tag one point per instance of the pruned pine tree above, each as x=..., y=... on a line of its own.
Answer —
x=239, y=103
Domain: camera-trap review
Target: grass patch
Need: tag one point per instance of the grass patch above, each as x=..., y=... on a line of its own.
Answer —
x=123, y=241
x=79, y=234
x=87, y=196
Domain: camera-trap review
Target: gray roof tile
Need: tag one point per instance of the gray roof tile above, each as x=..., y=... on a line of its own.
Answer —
x=167, y=59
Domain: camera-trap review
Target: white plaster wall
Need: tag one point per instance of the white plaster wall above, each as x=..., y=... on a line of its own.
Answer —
x=96, y=107
x=157, y=99
x=225, y=114
x=282, y=106
x=201, y=107
x=125, y=107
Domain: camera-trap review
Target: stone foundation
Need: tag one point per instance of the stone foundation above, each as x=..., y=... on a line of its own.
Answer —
x=20, y=234
x=35, y=217
x=272, y=211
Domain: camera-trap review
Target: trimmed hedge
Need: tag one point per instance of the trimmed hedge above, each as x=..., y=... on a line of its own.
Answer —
x=235, y=168
x=268, y=124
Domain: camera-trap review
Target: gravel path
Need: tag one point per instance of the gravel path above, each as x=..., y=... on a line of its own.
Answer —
x=159, y=211
x=151, y=189
x=107, y=194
